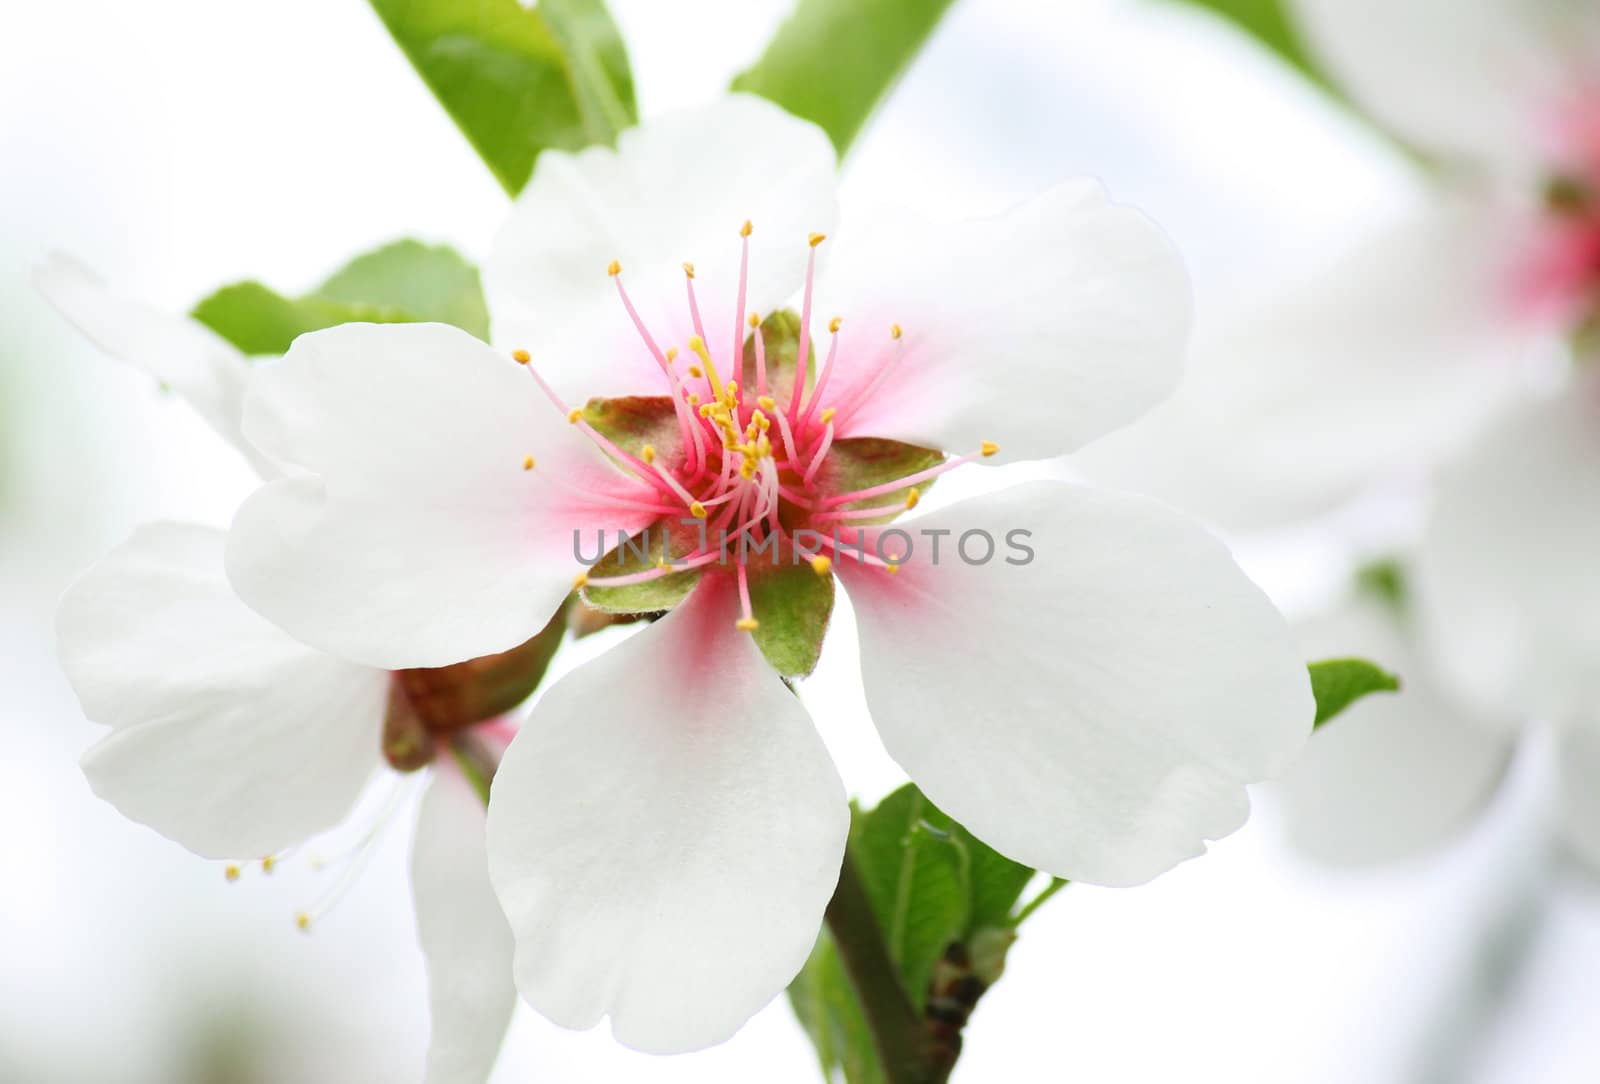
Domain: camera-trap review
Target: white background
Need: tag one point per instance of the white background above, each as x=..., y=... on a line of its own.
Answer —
x=178, y=144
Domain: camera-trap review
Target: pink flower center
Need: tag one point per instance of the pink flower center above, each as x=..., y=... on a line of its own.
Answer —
x=753, y=462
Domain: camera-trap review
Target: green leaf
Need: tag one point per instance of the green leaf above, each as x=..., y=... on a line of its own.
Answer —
x=518, y=80
x=825, y=1003
x=1338, y=683
x=1269, y=22
x=403, y=282
x=666, y=539
x=931, y=882
x=412, y=280
x=833, y=60
x=793, y=605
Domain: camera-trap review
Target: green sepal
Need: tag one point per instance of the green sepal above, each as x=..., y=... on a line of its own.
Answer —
x=403, y=282
x=863, y=462
x=666, y=538
x=632, y=421
x=792, y=605
x=518, y=80
x=1338, y=683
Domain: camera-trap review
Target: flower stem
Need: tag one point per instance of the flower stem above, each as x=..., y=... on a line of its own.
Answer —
x=897, y=1028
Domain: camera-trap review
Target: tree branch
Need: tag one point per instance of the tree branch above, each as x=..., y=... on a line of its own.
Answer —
x=897, y=1028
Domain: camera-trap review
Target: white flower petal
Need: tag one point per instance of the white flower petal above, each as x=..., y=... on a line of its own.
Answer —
x=1094, y=712
x=231, y=738
x=1041, y=329
x=1382, y=363
x=464, y=934
x=1394, y=775
x=1466, y=77
x=417, y=538
x=1580, y=792
x=1507, y=581
x=183, y=354
x=665, y=834
x=676, y=189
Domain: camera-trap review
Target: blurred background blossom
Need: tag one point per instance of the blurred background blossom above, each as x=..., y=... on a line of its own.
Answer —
x=184, y=144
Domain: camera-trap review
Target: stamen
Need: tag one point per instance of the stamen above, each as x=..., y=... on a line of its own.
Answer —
x=821, y=453
x=231, y=872
x=865, y=393
x=613, y=269
x=821, y=565
x=521, y=357
x=697, y=346
x=738, y=308
x=760, y=341
x=908, y=480
x=804, y=347
x=655, y=573
x=747, y=619
x=527, y=462
x=822, y=381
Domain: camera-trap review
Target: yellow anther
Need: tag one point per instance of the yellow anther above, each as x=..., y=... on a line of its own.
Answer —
x=580, y=581
x=302, y=922
x=268, y=864
x=574, y=414
x=694, y=400
x=613, y=269
x=763, y=447
x=891, y=568
x=231, y=872
x=527, y=462
x=833, y=325
x=912, y=498
x=821, y=564
x=697, y=346
x=744, y=231
x=706, y=409
x=988, y=448
x=688, y=269
x=697, y=510
x=894, y=331
x=816, y=239
x=828, y=413
x=767, y=402
x=648, y=453
x=521, y=357
x=762, y=420
x=696, y=372
x=672, y=354
x=747, y=624
x=755, y=320
x=732, y=392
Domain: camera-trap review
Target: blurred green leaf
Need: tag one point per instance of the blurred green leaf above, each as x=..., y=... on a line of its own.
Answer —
x=1269, y=23
x=832, y=60
x=1338, y=683
x=403, y=282
x=517, y=80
